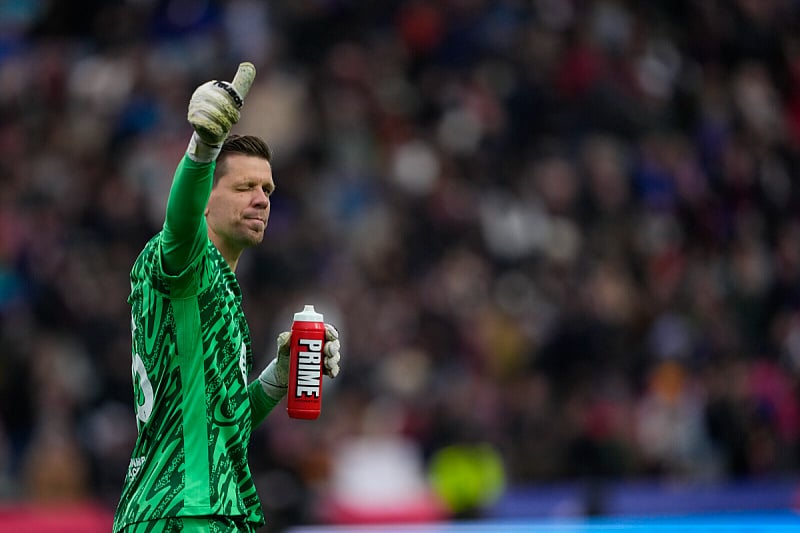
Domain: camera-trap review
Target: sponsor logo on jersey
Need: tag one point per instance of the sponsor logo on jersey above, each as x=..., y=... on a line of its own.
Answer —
x=135, y=466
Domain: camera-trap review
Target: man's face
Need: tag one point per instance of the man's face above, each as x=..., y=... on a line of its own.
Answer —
x=238, y=208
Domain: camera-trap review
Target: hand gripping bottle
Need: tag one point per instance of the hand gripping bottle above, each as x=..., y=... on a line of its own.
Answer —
x=304, y=398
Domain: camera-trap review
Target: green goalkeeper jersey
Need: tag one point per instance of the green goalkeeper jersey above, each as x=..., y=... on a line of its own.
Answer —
x=191, y=357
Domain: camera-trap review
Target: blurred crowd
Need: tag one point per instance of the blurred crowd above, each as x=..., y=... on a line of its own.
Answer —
x=563, y=229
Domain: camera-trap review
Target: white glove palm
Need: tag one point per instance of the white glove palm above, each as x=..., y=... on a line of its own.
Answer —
x=214, y=109
x=275, y=378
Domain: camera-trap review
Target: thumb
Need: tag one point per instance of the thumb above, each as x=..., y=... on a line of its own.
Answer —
x=283, y=344
x=244, y=79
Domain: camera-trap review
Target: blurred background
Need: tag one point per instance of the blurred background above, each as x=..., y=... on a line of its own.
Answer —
x=560, y=239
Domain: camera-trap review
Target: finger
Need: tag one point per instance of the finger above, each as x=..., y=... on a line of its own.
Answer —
x=331, y=366
x=332, y=372
x=332, y=360
x=244, y=79
x=212, y=112
x=283, y=342
x=216, y=105
x=332, y=348
x=331, y=333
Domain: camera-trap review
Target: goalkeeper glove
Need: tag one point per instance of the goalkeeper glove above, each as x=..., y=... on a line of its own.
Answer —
x=213, y=110
x=275, y=378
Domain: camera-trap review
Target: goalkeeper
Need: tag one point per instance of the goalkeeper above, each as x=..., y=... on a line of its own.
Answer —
x=191, y=347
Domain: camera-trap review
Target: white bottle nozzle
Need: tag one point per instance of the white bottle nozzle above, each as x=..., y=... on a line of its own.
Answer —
x=308, y=314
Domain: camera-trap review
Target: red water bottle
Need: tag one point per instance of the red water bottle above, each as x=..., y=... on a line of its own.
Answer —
x=304, y=398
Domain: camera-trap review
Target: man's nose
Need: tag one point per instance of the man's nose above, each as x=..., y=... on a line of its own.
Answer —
x=261, y=199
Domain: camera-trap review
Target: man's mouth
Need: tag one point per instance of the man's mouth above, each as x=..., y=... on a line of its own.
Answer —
x=261, y=221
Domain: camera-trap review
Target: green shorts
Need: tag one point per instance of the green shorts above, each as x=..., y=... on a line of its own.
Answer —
x=213, y=524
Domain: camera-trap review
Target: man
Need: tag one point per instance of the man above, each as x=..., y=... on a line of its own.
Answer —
x=191, y=344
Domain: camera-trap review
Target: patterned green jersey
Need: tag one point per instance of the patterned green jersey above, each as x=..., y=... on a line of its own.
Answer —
x=191, y=358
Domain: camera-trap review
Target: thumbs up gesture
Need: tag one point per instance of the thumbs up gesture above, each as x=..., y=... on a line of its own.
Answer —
x=214, y=109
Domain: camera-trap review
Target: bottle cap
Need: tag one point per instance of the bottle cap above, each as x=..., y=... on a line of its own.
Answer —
x=308, y=314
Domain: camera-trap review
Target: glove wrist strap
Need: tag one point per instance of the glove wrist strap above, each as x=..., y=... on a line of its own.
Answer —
x=200, y=151
x=270, y=382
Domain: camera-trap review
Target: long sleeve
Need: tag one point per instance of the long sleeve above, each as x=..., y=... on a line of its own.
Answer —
x=260, y=404
x=185, y=234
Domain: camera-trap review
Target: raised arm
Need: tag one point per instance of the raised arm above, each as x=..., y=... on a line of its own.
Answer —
x=213, y=110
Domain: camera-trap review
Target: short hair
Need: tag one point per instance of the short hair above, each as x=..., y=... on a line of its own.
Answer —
x=241, y=144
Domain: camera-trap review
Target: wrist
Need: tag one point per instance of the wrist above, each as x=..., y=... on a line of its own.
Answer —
x=271, y=382
x=200, y=151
